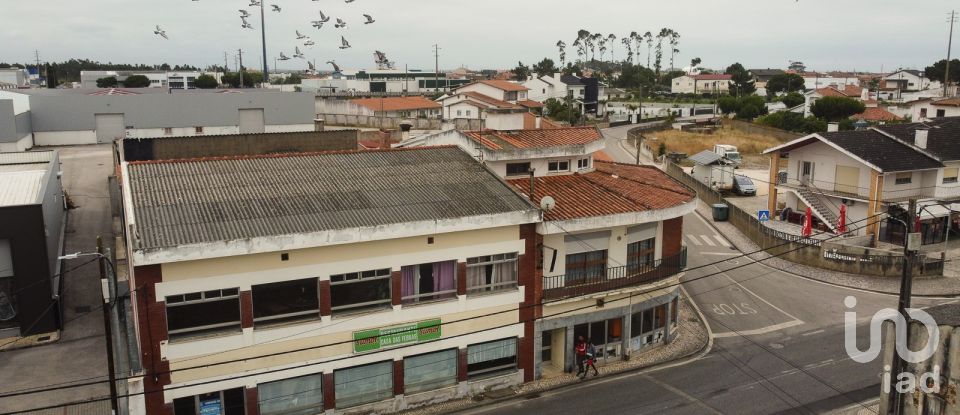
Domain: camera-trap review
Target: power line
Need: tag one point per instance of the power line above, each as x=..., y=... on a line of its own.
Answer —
x=248, y=374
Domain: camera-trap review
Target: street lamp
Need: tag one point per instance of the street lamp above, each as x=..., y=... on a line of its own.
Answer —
x=107, y=298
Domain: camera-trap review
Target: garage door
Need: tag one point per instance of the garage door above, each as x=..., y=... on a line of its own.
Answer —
x=848, y=179
x=251, y=121
x=110, y=127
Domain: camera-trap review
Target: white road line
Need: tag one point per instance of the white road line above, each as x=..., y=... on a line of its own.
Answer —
x=683, y=394
x=707, y=239
x=810, y=333
x=719, y=253
x=761, y=298
x=723, y=242
x=761, y=330
x=694, y=240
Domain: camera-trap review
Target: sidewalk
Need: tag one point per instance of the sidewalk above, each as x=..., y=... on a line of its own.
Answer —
x=922, y=286
x=692, y=338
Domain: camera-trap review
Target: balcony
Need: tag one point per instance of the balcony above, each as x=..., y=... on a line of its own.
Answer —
x=617, y=278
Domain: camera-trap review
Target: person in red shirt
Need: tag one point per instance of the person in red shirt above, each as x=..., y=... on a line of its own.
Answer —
x=581, y=352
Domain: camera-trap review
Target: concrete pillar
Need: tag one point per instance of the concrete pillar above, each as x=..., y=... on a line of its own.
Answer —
x=570, y=358
x=398, y=377
x=246, y=309
x=325, y=299
x=252, y=396
x=772, y=182
x=318, y=124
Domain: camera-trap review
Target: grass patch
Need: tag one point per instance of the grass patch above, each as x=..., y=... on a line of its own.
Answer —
x=749, y=145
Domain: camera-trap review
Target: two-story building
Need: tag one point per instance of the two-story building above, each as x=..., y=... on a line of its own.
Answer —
x=701, y=84
x=511, y=92
x=344, y=281
x=610, y=240
x=542, y=88
x=873, y=172
x=496, y=114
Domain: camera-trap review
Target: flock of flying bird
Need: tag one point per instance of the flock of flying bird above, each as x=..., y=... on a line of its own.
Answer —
x=297, y=53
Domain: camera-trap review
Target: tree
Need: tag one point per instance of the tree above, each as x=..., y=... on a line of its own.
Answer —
x=206, y=82
x=938, y=69
x=562, y=110
x=748, y=111
x=694, y=62
x=792, y=99
x=628, y=43
x=563, y=52
x=649, y=37
x=659, y=56
x=249, y=80
x=634, y=77
x=791, y=121
x=612, y=40
x=136, y=81
x=728, y=104
x=741, y=81
x=521, y=72
x=107, y=82
x=836, y=108
x=293, y=79
x=51, y=71
x=545, y=67
x=787, y=82
x=674, y=41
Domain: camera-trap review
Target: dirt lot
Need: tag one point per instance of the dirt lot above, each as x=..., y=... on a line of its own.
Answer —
x=749, y=145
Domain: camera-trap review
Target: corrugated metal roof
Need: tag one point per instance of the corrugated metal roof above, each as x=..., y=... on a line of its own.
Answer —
x=705, y=157
x=20, y=187
x=196, y=201
x=26, y=157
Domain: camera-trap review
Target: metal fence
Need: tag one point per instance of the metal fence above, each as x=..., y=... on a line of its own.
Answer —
x=577, y=284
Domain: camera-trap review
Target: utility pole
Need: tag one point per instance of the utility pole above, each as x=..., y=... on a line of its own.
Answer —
x=906, y=291
x=263, y=40
x=36, y=56
x=436, y=62
x=640, y=120
x=240, y=70
x=225, y=66
x=946, y=73
x=107, y=329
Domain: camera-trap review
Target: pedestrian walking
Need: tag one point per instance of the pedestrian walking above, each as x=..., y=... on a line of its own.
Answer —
x=589, y=361
x=580, y=349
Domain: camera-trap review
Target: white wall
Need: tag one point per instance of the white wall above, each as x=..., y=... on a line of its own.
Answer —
x=23, y=144
x=468, y=111
x=503, y=122
x=931, y=111
x=682, y=85
x=485, y=90
x=946, y=190
x=616, y=251
x=540, y=166
x=21, y=102
x=823, y=82
x=826, y=159
x=64, y=138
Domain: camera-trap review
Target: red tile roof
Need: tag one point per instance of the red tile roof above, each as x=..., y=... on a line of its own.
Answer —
x=949, y=102
x=612, y=188
x=849, y=91
x=489, y=100
x=396, y=103
x=875, y=114
x=503, y=85
x=556, y=137
x=530, y=103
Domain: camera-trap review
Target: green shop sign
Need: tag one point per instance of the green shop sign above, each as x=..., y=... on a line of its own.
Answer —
x=375, y=339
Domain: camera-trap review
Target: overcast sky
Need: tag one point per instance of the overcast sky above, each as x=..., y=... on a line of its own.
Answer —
x=825, y=34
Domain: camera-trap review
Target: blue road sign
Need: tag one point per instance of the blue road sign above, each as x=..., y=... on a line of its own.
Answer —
x=763, y=215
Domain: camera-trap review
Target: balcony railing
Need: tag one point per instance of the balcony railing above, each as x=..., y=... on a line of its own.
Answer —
x=616, y=278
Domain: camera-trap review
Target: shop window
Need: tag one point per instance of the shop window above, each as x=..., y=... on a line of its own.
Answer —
x=359, y=290
x=498, y=356
x=363, y=384
x=430, y=371
x=426, y=282
x=228, y=402
x=203, y=312
x=286, y=301
x=296, y=396
x=492, y=272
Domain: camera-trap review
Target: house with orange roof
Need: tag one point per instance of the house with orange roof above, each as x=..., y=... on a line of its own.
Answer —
x=924, y=109
x=609, y=230
x=496, y=114
x=511, y=92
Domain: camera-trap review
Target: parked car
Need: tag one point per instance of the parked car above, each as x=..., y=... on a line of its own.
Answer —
x=743, y=186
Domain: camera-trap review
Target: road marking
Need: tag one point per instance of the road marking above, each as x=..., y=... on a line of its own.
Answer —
x=683, y=394
x=723, y=242
x=761, y=298
x=810, y=333
x=707, y=239
x=719, y=253
x=762, y=330
x=694, y=240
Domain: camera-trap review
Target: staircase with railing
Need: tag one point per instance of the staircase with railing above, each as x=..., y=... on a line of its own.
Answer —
x=811, y=197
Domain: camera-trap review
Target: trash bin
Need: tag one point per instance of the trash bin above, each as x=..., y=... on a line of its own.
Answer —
x=721, y=212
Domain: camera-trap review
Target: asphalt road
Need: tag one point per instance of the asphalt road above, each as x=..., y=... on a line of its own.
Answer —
x=778, y=344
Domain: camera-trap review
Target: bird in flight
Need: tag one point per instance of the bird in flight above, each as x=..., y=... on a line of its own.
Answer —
x=369, y=19
x=336, y=68
x=284, y=57
x=301, y=35
x=254, y=3
x=310, y=64
x=340, y=23
x=245, y=24
x=275, y=8
x=161, y=32
x=309, y=43
x=324, y=18
x=348, y=1
x=297, y=53
x=317, y=23
x=344, y=44
x=244, y=13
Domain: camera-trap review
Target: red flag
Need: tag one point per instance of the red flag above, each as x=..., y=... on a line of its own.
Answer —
x=842, y=220
x=808, y=223
x=916, y=224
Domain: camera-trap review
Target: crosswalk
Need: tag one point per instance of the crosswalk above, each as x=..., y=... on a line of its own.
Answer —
x=706, y=240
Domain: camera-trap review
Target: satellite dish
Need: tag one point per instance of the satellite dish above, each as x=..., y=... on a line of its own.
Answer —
x=547, y=203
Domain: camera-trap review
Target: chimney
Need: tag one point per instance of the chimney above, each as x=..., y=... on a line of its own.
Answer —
x=920, y=139
x=532, y=181
x=833, y=127
x=537, y=122
x=318, y=124
x=865, y=94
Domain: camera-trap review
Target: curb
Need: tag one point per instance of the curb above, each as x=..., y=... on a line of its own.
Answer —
x=679, y=361
x=831, y=283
